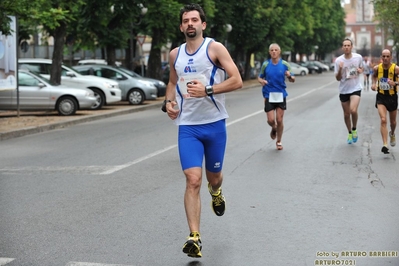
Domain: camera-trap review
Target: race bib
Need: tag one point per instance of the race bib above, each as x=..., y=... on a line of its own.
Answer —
x=352, y=72
x=276, y=97
x=384, y=85
x=183, y=80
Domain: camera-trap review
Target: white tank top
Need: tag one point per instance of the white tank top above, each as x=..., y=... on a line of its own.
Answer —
x=204, y=110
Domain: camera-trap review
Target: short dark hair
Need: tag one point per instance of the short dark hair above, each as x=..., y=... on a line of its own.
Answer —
x=192, y=7
x=348, y=39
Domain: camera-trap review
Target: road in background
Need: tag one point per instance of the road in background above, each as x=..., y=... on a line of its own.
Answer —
x=110, y=192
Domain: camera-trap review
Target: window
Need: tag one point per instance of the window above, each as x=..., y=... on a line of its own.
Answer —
x=27, y=80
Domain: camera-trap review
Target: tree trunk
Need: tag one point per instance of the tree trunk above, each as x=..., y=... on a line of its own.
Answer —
x=154, y=66
x=59, y=41
x=111, y=56
x=293, y=56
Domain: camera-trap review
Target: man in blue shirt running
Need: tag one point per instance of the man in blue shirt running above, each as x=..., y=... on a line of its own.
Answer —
x=272, y=78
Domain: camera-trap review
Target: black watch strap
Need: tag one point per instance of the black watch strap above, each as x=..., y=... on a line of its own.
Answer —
x=163, y=108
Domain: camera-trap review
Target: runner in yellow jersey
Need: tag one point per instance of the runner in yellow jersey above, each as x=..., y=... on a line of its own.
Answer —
x=385, y=81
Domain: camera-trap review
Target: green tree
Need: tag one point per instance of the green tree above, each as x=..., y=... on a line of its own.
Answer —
x=324, y=26
x=386, y=13
x=331, y=31
x=166, y=11
x=252, y=29
x=110, y=25
x=20, y=9
x=55, y=16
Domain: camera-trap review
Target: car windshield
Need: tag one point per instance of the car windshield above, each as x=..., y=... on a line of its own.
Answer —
x=38, y=76
x=129, y=72
x=71, y=69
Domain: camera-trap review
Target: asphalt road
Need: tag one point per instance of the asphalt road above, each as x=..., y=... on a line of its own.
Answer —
x=110, y=191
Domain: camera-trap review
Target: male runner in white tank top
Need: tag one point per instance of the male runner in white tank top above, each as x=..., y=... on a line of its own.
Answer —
x=195, y=101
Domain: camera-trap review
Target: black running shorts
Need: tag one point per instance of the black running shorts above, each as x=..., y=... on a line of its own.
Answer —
x=273, y=106
x=346, y=97
x=389, y=101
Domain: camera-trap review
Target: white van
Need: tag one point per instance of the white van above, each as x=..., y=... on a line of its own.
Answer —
x=106, y=91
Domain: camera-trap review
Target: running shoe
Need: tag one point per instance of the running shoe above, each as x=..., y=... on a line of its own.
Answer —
x=392, y=139
x=354, y=136
x=350, y=139
x=193, y=245
x=218, y=202
x=385, y=150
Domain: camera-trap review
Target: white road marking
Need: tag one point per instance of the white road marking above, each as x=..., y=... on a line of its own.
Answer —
x=4, y=261
x=123, y=166
x=73, y=263
x=120, y=167
x=289, y=100
x=107, y=170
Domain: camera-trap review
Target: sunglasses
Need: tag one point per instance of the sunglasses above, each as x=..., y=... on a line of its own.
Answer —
x=385, y=56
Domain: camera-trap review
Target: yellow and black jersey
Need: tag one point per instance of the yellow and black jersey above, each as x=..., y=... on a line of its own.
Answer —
x=384, y=75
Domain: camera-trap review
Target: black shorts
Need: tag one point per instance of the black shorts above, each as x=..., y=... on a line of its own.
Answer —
x=273, y=106
x=346, y=97
x=389, y=101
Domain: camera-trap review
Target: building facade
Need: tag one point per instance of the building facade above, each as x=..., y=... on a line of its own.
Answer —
x=368, y=38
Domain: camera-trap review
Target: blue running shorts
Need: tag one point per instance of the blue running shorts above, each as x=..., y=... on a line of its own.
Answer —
x=197, y=141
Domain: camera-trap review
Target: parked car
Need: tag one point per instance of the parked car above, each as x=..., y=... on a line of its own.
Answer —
x=37, y=93
x=298, y=70
x=134, y=90
x=161, y=86
x=329, y=64
x=96, y=61
x=106, y=91
x=311, y=67
x=323, y=67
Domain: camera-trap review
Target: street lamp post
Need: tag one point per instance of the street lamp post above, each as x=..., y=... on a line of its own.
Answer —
x=228, y=29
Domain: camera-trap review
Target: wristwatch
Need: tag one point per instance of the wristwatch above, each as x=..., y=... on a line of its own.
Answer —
x=163, y=107
x=209, y=90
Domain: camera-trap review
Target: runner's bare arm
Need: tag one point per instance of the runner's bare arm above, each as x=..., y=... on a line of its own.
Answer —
x=374, y=78
x=219, y=54
x=170, y=94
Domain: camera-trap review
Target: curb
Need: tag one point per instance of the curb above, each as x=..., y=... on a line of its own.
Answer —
x=43, y=128
x=57, y=125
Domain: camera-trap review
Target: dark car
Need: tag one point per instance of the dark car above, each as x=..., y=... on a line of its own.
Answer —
x=312, y=67
x=321, y=65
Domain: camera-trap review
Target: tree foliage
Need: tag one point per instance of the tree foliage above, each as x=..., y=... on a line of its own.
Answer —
x=386, y=13
x=297, y=25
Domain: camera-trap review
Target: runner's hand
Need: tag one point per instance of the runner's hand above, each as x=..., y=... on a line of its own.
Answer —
x=171, y=111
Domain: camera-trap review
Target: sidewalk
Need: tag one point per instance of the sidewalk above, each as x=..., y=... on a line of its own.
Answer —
x=13, y=125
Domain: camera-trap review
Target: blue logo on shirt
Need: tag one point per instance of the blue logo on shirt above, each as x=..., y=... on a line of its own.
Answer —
x=190, y=68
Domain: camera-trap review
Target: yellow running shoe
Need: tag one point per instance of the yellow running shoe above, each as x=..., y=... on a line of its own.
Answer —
x=193, y=245
x=350, y=139
x=218, y=202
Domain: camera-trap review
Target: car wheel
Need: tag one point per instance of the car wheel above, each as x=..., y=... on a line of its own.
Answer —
x=135, y=97
x=67, y=106
x=303, y=73
x=100, y=99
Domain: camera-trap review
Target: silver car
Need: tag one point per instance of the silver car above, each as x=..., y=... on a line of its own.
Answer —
x=36, y=93
x=134, y=90
x=298, y=70
x=105, y=90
